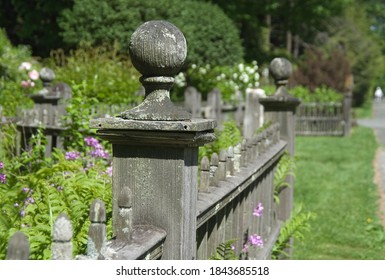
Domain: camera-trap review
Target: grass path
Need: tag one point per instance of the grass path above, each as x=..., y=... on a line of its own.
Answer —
x=334, y=179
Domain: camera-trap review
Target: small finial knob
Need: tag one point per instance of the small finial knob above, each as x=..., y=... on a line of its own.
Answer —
x=158, y=51
x=47, y=75
x=280, y=68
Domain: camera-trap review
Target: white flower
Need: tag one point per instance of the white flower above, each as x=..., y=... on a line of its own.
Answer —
x=25, y=66
x=34, y=75
x=193, y=66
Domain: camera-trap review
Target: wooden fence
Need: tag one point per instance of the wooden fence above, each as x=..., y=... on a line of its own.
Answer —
x=161, y=207
x=324, y=118
x=231, y=186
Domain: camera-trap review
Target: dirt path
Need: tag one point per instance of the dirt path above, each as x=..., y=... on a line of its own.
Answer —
x=379, y=180
x=378, y=124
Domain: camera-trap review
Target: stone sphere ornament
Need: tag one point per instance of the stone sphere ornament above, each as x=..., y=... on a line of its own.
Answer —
x=158, y=51
x=280, y=69
x=158, y=48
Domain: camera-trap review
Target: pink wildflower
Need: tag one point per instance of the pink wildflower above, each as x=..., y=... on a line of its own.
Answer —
x=34, y=75
x=258, y=210
x=25, y=84
x=256, y=240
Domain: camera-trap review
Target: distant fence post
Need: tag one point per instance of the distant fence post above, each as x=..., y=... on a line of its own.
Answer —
x=193, y=102
x=18, y=247
x=47, y=112
x=281, y=108
x=347, y=106
x=97, y=233
x=252, y=117
x=62, y=238
x=155, y=145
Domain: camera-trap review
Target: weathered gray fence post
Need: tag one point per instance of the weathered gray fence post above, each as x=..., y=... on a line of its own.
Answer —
x=251, y=121
x=281, y=108
x=347, y=106
x=214, y=101
x=62, y=238
x=49, y=108
x=193, y=102
x=97, y=235
x=18, y=247
x=155, y=145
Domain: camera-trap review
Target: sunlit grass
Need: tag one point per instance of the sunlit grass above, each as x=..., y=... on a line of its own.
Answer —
x=334, y=179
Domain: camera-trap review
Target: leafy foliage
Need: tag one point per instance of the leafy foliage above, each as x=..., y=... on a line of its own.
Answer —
x=210, y=34
x=225, y=251
x=76, y=120
x=319, y=69
x=296, y=226
x=109, y=75
x=230, y=135
x=11, y=57
x=228, y=79
x=285, y=168
x=38, y=189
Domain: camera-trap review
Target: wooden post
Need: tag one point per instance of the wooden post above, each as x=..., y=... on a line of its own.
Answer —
x=193, y=102
x=62, y=238
x=18, y=247
x=97, y=239
x=214, y=162
x=347, y=106
x=155, y=145
x=252, y=112
x=205, y=175
x=281, y=108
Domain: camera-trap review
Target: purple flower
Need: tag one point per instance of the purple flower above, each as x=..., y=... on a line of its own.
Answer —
x=92, y=142
x=109, y=171
x=25, y=190
x=29, y=200
x=59, y=188
x=72, y=155
x=256, y=240
x=245, y=248
x=3, y=178
x=22, y=213
x=1, y=165
x=99, y=152
x=16, y=204
x=258, y=210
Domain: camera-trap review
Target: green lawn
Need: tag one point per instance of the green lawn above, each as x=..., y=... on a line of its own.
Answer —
x=334, y=180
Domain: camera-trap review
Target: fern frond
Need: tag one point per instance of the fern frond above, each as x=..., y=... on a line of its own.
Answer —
x=296, y=226
x=225, y=251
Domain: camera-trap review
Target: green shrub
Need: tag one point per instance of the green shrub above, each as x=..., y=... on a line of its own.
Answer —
x=320, y=94
x=37, y=189
x=230, y=135
x=11, y=75
x=211, y=36
x=320, y=68
x=109, y=76
x=228, y=79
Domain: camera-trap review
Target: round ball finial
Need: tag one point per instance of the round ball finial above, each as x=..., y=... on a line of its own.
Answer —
x=158, y=48
x=280, y=68
x=47, y=75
